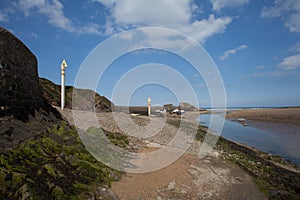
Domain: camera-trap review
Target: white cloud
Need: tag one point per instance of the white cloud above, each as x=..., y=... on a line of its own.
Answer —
x=4, y=14
x=201, y=30
x=260, y=67
x=34, y=35
x=288, y=63
x=287, y=10
x=295, y=48
x=230, y=52
x=3, y=17
x=291, y=62
x=219, y=4
x=126, y=14
x=160, y=38
x=53, y=10
x=178, y=15
x=90, y=28
x=26, y=5
x=155, y=12
x=56, y=16
x=273, y=74
x=107, y=3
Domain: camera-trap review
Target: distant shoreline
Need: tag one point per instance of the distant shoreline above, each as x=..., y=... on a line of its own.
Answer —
x=280, y=123
x=279, y=116
x=252, y=108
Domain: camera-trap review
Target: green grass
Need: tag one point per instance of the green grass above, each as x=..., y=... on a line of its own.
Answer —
x=55, y=166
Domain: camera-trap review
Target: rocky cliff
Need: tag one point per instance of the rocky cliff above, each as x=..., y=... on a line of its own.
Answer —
x=84, y=99
x=182, y=105
x=41, y=156
x=187, y=107
x=21, y=99
x=20, y=91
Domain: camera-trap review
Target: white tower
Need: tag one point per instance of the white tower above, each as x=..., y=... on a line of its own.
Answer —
x=149, y=106
x=63, y=66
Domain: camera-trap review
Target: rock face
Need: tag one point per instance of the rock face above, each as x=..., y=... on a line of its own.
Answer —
x=187, y=107
x=84, y=99
x=20, y=91
x=169, y=107
x=24, y=114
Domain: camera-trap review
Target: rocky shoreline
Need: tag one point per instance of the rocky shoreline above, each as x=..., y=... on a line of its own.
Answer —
x=275, y=177
x=230, y=171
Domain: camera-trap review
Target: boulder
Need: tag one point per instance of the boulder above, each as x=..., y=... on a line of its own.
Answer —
x=169, y=107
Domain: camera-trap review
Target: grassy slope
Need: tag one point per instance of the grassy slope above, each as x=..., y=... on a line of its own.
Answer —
x=54, y=166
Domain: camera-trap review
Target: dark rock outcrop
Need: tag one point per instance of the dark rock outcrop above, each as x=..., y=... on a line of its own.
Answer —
x=187, y=107
x=169, y=107
x=83, y=99
x=24, y=113
x=41, y=156
x=20, y=91
x=182, y=106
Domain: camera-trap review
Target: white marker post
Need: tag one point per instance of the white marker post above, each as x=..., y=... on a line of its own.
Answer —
x=149, y=106
x=63, y=66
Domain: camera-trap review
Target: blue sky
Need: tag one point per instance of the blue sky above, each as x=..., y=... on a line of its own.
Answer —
x=254, y=43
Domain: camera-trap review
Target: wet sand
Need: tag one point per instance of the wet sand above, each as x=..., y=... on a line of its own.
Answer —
x=189, y=178
x=279, y=116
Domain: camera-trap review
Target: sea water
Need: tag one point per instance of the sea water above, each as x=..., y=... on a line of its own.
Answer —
x=285, y=144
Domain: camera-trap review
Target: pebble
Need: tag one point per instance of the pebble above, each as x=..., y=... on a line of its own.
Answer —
x=171, y=185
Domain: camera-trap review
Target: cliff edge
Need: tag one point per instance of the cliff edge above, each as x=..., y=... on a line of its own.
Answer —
x=21, y=99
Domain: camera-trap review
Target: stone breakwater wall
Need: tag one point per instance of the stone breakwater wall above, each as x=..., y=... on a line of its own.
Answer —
x=20, y=91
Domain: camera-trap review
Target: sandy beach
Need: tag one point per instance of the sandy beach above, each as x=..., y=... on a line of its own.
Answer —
x=280, y=116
